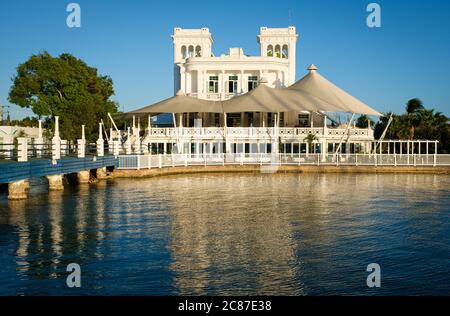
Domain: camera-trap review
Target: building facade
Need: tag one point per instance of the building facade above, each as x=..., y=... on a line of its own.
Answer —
x=197, y=72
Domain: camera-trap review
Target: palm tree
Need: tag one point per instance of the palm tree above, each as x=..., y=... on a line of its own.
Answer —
x=310, y=139
x=363, y=121
x=414, y=105
x=413, y=109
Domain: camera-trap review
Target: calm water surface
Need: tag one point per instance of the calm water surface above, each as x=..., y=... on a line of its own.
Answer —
x=231, y=234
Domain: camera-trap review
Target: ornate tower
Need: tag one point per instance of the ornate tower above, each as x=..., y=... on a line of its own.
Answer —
x=280, y=43
x=188, y=43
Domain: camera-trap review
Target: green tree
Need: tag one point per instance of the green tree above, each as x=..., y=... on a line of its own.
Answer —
x=417, y=123
x=363, y=121
x=67, y=87
x=310, y=139
x=414, y=106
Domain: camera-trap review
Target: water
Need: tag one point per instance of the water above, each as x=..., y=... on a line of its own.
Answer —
x=231, y=234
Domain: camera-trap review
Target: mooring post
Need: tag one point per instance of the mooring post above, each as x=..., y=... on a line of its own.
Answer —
x=81, y=144
x=56, y=142
x=39, y=141
x=22, y=149
x=100, y=142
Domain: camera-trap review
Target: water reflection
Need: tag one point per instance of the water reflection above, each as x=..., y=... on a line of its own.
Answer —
x=231, y=234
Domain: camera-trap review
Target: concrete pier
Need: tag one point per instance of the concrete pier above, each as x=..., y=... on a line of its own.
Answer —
x=55, y=182
x=18, y=190
x=102, y=174
x=83, y=177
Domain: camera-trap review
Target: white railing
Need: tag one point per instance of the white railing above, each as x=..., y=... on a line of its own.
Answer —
x=176, y=160
x=213, y=96
x=254, y=132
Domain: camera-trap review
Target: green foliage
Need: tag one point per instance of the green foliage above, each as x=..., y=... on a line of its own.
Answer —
x=310, y=139
x=67, y=87
x=26, y=122
x=418, y=123
x=363, y=122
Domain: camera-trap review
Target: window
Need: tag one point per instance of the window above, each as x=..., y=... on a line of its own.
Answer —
x=277, y=51
x=232, y=84
x=252, y=82
x=183, y=52
x=190, y=51
x=303, y=120
x=213, y=84
x=198, y=51
x=285, y=52
x=270, y=51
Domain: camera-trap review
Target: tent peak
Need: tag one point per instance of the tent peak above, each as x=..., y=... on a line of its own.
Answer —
x=312, y=68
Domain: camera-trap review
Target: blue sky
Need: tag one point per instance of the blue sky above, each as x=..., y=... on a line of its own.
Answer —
x=130, y=41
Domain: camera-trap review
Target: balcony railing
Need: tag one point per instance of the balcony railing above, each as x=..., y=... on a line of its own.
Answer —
x=255, y=132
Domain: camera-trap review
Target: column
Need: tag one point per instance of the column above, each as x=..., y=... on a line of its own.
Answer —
x=17, y=190
x=100, y=142
x=39, y=142
x=22, y=149
x=83, y=176
x=56, y=141
x=324, y=149
x=222, y=84
x=55, y=182
x=102, y=173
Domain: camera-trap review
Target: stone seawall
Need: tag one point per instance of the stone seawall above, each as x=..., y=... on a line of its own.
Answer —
x=148, y=173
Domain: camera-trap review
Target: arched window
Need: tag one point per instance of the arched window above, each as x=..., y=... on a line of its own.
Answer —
x=198, y=51
x=191, y=51
x=285, y=52
x=183, y=52
x=278, y=51
x=270, y=51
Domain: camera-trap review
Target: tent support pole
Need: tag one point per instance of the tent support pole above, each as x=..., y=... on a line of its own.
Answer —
x=115, y=126
x=391, y=118
x=345, y=134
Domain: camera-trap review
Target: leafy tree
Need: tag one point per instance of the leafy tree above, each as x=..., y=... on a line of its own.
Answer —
x=26, y=122
x=67, y=87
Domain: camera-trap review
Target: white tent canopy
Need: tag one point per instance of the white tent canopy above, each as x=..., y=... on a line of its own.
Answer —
x=318, y=86
x=313, y=93
x=265, y=99
x=180, y=103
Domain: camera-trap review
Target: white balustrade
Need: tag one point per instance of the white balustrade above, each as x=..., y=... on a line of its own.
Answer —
x=174, y=160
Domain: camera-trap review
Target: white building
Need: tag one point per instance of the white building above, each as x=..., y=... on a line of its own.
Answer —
x=201, y=75
x=197, y=72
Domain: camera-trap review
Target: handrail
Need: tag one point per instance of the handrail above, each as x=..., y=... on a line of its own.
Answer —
x=149, y=161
